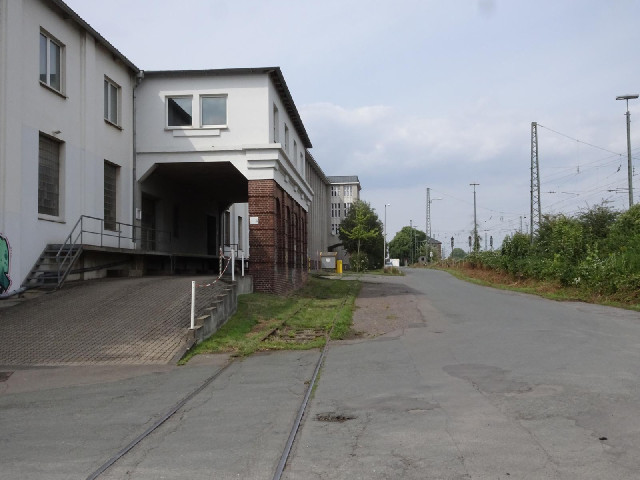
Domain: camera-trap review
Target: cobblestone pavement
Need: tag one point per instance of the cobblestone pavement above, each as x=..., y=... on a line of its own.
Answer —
x=103, y=322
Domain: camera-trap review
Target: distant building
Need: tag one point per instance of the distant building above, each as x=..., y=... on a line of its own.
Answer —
x=344, y=191
x=319, y=213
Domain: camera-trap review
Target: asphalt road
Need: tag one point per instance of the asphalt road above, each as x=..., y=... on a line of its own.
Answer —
x=486, y=384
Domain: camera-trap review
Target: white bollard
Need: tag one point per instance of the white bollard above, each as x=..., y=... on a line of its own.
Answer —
x=193, y=305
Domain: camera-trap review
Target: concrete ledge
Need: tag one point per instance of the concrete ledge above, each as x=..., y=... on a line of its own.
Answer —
x=218, y=314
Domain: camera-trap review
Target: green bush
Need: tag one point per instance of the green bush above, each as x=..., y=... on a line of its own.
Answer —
x=599, y=251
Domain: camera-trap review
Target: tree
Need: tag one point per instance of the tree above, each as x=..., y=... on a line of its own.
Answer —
x=406, y=243
x=361, y=236
x=458, y=253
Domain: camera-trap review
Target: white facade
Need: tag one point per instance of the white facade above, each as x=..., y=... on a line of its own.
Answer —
x=152, y=178
x=70, y=113
x=202, y=169
x=343, y=192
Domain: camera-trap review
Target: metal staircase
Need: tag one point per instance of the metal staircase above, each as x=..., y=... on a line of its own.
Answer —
x=52, y=266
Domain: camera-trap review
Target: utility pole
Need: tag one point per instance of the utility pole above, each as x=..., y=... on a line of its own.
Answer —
x=411, y=248
x=629, y=165
x=475, y=219
x=536, y=212
x=428, y=224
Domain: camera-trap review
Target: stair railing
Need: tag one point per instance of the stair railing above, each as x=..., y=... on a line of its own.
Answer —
x=68, y=252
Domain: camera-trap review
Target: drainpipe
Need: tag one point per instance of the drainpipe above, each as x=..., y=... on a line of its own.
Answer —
x=139, y=77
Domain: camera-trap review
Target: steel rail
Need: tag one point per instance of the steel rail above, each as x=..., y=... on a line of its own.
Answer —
x=156, y=424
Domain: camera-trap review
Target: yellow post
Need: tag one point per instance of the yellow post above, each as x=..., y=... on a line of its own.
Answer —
x=338, y=266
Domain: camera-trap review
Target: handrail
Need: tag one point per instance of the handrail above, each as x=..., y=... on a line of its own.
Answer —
x=69, y=251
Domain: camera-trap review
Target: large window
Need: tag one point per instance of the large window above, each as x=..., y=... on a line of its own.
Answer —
x=348, y=191
x=335, y=191
x=213, y=111
x=111, y=101
x=240, y=233
x=335, y=210
x=51, y=62
x=110, y=195
x=179, y=111
x=49, y=176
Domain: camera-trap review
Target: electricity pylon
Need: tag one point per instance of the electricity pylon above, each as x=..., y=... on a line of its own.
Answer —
x=536, y=211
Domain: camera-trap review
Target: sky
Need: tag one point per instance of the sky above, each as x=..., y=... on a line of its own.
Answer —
x=417, y=94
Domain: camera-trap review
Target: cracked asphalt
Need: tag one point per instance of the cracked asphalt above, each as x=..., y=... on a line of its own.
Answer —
x=447, y=380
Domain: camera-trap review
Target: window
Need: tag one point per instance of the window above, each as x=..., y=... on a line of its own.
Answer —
x=286, y=138
x=179, y=111
x=335, y=210
x=301, y=162
x=49, y=176
x=348, y=190
x=240, y=247
x=335, y=229
x=50, y=62
x=295, y=153
x=111, y=101
x=213, y=111
x=276, y=125
x=110, y=195
x=334, y=191
x=347, y=207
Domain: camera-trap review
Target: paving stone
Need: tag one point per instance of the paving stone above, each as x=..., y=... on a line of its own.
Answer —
x=103, y=322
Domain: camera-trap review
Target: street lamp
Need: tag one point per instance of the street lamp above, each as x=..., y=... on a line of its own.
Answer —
x=629, y=166
x=384, y=253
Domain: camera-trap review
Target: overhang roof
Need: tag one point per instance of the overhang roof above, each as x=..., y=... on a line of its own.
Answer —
x=274, y=73
x=68, y=13
x=314, y=164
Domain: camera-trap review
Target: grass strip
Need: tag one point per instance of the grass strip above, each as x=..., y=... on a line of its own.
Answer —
x=546, y=289
x=298, y=321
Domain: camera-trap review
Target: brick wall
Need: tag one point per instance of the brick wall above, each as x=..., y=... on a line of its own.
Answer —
x=279, y=239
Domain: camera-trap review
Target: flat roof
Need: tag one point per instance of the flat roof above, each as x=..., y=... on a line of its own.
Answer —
x=344, y=179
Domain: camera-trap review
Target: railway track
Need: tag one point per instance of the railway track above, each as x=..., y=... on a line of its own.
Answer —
x=175, y=409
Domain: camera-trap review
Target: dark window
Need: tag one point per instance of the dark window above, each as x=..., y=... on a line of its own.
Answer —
x=110, y=195
x=49, y=176
x=179, y=111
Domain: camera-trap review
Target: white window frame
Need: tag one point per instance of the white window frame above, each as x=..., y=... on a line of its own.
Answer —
x=166, y=113
x=111, y=88
x=50, y=39
x=226, y=111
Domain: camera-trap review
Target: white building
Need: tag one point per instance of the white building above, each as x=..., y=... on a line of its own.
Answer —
x=345, y=190
x=66, y=128
x=216, y=148
x=119, y=170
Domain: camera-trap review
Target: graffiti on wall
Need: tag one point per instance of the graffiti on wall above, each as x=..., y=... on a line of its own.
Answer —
x=5, y=254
